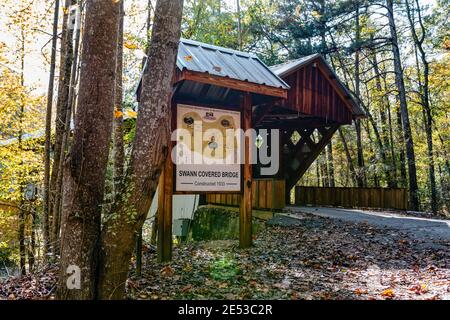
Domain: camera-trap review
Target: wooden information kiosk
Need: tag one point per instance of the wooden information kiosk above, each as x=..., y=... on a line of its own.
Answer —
x=217, y=87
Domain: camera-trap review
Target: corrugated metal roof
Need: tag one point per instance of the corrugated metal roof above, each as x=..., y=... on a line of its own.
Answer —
x=286, y=68
x=201, y=57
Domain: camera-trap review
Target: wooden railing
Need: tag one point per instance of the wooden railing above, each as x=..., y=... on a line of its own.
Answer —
x=386, y=198
x=267, y=194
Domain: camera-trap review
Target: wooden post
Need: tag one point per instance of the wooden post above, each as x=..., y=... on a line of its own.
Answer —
x=139, y=253
x=245, y=217
x=164, y=214
x=165, y=197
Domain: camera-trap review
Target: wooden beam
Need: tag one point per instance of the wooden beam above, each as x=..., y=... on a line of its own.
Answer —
x=245, y=216
x=336, y=87
x=295, y=175
x=244, y=86
x=265, y=110
x=185, y=99
x=294, y=124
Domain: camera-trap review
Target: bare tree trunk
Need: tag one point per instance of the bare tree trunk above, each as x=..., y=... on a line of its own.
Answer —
x=62, y=103
x=349, y=157
x=401, y=141
x=31, y=255
x=57, y=205
x=425, y=98
x=119, y=151
x=330, y=162
x=22, y=214
x=48, y=127
x=361, y=177
x=409, y=143
x=384, y=145
x=239, y=23
x=85, y=168
x=150, y=152
x=21, y=236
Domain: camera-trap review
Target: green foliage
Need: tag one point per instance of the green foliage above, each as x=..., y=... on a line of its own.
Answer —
x=223, y=269
x=5, y=253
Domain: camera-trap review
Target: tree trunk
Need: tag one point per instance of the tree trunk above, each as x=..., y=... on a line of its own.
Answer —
x=119, y=151
x=62, y=103
x=85, y=168
x=57, y=204
x=31, y=255
x=425, y=99
x=22, y=214
x=409, y=144
x=349, y=157
x=361, y=177
x=48, y=126
x=330, y=162
x=149, y=154
x=384, y=145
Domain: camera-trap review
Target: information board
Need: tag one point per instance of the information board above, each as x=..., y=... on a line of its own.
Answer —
x=207, y=150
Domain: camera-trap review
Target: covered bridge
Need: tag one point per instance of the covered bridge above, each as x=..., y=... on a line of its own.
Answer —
x=303, y=98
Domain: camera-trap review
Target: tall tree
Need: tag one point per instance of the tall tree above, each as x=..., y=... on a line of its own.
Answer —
x=62, y=103
x=119, y=151
x=424, y=94
x=48, y=127
x=85, y=168
x=150, y=152
x=361, y=177
x=408, y=139
x=57, y=203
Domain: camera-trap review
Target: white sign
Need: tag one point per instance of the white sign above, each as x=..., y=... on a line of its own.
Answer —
x=207, y=150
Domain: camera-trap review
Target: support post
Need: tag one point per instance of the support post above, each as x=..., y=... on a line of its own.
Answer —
x=139, y=253
x=245, y=217
x=164, y=214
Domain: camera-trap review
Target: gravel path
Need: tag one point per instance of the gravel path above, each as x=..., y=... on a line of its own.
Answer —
x=428, y=231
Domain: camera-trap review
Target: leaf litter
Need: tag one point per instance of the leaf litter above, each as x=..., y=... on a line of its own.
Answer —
x=313, y=258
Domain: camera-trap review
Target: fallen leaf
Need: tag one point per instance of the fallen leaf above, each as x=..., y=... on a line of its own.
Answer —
x=389, y=293
x=167, y=271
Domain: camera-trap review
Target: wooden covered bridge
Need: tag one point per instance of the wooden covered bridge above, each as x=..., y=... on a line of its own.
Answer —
x=302, y=98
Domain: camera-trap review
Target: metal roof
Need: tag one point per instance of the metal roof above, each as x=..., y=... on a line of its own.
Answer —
x=288, y=67
x=201, y=57
x=285, y=68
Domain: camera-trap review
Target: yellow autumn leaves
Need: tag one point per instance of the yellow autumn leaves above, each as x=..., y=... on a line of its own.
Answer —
x=128, y=113
x=130, y=45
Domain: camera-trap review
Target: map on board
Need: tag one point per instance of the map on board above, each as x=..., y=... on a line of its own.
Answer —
x=207, y=157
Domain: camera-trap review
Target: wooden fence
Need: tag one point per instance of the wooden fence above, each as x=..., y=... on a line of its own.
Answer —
x=386, y=198
x=267, y=194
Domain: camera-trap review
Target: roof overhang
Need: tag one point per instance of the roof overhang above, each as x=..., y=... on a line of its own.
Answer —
x=226, y=82
x=226, y=68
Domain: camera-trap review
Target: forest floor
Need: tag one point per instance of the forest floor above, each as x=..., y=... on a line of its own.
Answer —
x=309, y=257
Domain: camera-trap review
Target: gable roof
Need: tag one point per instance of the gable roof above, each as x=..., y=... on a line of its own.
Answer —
x=201, y=64
x=284, y=69
x=205, y=58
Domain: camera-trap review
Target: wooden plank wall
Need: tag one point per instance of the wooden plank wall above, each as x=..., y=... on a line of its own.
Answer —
x=268, y=194
x=386, y=198
x=313, y=94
